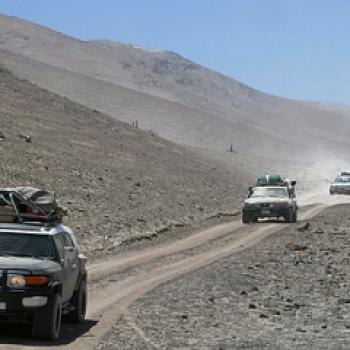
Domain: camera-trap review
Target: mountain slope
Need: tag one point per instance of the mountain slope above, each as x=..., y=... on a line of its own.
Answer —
x=173, y=96
x=117, y=181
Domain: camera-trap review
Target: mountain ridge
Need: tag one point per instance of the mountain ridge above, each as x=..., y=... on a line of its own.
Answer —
x=182, y=101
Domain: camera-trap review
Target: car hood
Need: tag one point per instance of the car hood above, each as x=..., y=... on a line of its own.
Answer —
x=274, y=200
x=35, y=265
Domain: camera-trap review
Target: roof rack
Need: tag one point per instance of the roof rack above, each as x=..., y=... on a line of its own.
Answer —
x=345, y=173
x=274, y=180
x=11, y=203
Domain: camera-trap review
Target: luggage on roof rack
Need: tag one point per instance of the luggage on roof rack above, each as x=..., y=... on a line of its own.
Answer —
x=269, y=180
x=276, y=180
x=21, y=204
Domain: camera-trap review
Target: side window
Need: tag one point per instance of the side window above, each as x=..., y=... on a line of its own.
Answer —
x=59, y=241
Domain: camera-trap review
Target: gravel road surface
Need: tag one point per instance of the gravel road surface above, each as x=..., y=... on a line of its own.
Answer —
x=290, y=291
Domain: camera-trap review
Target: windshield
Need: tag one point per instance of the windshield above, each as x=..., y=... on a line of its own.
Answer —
x=268, y=192
x=341, y=179
x=25, y=245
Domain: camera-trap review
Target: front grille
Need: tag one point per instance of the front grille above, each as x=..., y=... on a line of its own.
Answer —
x=265, y=205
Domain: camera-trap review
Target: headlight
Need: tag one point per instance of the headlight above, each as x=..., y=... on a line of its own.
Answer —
x=16, y=281
x=19, y=281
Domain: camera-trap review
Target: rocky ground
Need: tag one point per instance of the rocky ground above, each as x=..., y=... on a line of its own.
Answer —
x=289, y=292
x=119, y=183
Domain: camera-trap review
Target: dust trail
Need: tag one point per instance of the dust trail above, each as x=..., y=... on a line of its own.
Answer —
x=315, y=179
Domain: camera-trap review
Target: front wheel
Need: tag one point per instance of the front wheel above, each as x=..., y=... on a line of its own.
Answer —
x=245, y=218
x=78, y=301
x=47, y=320
x=295, y=215
x=289, y=217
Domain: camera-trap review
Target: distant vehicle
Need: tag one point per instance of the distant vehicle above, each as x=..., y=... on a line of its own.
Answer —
x=341, y=184
x=271, y=197
x=42, y=271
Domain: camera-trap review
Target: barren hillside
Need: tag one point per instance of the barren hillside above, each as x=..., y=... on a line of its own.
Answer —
x=182, y=101
x=117, y=181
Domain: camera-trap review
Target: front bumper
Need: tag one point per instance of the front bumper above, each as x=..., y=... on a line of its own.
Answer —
x=22, y=302
x=266, y=212
x=340, y=190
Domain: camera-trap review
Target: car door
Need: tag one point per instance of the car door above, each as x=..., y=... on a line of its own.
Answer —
x=59, y=242
x=71, y=254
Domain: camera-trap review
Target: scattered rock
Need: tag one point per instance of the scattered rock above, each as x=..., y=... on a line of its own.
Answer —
x=344, y=301
x=26, y=138
x=296, y=247
x=304, y=227
x=340, y=233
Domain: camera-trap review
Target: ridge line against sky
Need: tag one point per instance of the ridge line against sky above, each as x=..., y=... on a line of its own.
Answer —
x=292, y=48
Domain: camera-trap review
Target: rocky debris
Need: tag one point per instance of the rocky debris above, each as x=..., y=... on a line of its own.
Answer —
x=115, y=195
x=2, y=136
x=292, y=246
x=26, y=138
x=304, y=227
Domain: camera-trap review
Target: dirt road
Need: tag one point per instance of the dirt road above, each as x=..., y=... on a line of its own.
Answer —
x=117, y=283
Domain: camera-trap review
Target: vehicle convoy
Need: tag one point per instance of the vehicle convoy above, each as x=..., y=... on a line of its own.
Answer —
x=42, y=272
x=341, y=184
x=271, y=197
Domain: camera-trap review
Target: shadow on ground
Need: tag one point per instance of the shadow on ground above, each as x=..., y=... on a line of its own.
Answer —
x=21, y=334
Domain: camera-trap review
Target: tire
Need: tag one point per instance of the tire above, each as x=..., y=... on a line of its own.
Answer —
x=245, y=218
x=255, y=220
x=46, y=323
x=295, y=215
x=289, y=215
x=78, y=300
x=331, y=193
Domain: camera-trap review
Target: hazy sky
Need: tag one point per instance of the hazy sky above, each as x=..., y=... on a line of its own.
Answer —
x=293, y=48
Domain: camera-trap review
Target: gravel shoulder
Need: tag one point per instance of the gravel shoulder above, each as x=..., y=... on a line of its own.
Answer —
x=290, y=291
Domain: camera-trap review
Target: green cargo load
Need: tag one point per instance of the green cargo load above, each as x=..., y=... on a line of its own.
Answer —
x=270, y=179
